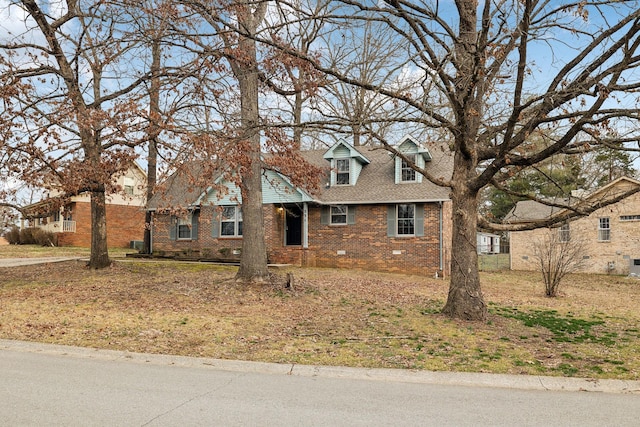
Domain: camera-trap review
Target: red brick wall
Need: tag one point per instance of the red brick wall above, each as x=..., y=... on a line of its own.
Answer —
x=204, y=241
x=124, y=223
x=365, y=243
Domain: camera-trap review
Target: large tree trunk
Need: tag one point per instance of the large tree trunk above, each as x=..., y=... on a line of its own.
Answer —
x=154, y=131
x=99, y=251
x=465, y=300
x=253, y=263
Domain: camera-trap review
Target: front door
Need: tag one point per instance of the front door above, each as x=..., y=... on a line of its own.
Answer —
x=293, y=226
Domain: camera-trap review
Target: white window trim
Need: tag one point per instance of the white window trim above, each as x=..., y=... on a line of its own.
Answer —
x=184, y=221
x=398, y=219
x=408, y=168
x=237, y=219
x=602, y=230
x=129, y=185
x=347, y=161
x=346, y=214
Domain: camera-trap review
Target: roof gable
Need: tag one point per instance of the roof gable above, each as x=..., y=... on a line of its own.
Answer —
x=343, y=149
x=410, y=146
x=276, y=188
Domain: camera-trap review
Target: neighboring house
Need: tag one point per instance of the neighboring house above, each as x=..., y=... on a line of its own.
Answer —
x=373, y=212
x=72, y=222
x=610, y=235
x=488, y=243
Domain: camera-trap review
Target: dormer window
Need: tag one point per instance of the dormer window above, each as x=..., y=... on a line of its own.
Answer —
x=346, y=163
x=342, y=171
x=406, y=173
x=416, y=155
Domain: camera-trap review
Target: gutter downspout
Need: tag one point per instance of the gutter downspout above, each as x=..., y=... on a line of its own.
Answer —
x=305, y=225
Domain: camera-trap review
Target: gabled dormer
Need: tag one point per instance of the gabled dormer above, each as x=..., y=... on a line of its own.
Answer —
x=414, y=151
x=346, y=163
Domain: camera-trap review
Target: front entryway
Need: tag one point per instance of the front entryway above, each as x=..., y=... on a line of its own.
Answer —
x=293, y=226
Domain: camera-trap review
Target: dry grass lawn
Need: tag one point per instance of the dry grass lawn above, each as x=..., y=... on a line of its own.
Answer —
x=330, y=317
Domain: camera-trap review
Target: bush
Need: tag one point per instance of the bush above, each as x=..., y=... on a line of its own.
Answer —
x=44, y=238
x=26, y=236
x=13, y=235
x=30, y=236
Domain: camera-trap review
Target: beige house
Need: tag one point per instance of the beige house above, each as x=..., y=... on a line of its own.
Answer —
x=70, y=221
x=610, y=235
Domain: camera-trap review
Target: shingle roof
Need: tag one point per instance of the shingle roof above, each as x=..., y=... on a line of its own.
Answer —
x=376, y=182
x=180, y=189
x=530, y=210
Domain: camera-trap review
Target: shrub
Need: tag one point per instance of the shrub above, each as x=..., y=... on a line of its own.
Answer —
x=30, y=236
x=26, y=236
x=44, y=238
x=558, y=257
x=13, y=235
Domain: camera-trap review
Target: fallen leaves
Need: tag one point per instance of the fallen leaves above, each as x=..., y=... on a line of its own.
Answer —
x=337, y=317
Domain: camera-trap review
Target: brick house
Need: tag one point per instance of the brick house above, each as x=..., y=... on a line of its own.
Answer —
x=373, y=212
x=71, y=222
x=610, y=235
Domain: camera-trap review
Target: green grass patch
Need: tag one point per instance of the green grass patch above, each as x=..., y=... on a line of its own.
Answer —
x=565, y=328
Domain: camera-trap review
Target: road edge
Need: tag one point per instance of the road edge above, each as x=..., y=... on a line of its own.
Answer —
x=523, y=382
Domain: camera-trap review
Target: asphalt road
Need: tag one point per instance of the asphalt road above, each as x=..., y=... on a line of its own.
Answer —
x=43, y=385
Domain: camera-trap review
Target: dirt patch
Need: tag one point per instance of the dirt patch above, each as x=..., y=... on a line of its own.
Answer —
x=330, y=317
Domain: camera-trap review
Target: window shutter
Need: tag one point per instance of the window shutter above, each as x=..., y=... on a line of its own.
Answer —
x=173, y=224
x=351, y=215
x=324, y=215
x=391, y=220
x=195, y=219
x=398, y=168
x=215, y=224
x=419, y=220
x=420, y=164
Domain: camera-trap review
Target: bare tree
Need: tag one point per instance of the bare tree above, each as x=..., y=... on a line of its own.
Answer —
x=69, y=87
x=366, y=51
x=235, y=133
x=500, y=72
x=558, y=253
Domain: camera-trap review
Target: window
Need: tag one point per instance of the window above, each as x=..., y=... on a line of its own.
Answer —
x=128, y=185
x=342, y=173
x=406, y=173
x=405, y=218
x=565, y=232
x=231, y=221
x=604, y=230
x=184, y=226
x=339, y=214
x=630, y=218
